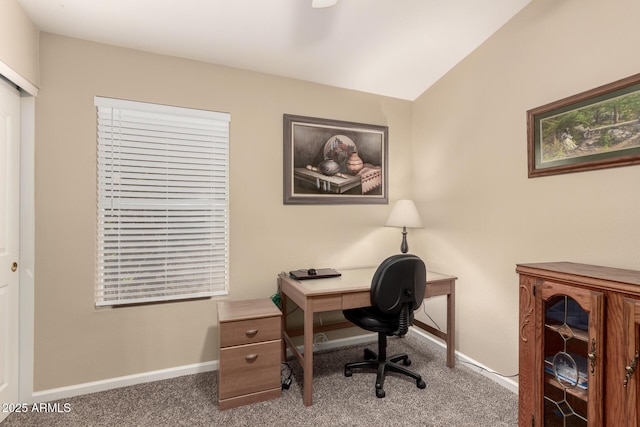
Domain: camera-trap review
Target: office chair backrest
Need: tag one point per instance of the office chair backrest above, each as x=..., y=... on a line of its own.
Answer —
x=399, y=281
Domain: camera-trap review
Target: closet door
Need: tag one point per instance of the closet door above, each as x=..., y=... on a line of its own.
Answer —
x=9, y=248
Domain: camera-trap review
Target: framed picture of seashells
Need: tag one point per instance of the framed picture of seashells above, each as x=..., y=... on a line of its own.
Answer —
x=334, y=162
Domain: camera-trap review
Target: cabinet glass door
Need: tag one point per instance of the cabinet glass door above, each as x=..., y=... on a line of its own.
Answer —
x=572, y=358
x=631, y=383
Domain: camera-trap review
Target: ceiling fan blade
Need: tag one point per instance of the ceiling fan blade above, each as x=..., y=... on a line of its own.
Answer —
x=323, y=3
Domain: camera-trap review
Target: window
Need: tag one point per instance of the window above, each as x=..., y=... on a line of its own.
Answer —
x=163, y=203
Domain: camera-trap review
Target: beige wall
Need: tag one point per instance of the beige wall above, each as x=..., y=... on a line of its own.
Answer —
x=18, y=41
x=483, y=214
x=74, y=342
x=459, y=150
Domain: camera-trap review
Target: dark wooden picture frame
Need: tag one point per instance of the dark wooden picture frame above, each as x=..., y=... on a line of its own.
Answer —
x=334, y=162
x=596, y=129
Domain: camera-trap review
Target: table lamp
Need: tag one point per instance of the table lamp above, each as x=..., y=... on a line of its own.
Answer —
x=404, y=214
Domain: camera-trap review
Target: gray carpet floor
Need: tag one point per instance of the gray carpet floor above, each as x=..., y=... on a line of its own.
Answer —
x=453, y=397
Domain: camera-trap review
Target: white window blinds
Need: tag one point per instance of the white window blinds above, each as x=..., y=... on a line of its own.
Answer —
x=162, y=203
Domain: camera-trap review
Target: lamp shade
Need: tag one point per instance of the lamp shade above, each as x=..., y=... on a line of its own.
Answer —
x=404, y=214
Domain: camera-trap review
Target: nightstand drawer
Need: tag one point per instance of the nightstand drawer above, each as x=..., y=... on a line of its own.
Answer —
x=248, y=369
x=250, y=351
x=250, y=331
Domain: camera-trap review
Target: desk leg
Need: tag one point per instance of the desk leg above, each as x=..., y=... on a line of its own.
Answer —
x=308, y=356
x=451, y=327
x=283, y=305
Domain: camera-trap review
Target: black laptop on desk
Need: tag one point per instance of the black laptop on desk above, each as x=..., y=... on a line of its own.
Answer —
x=312, y=273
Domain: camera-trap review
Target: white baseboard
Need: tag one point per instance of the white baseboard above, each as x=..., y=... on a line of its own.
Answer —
x=472, y=364
x=163, y=374
x=112, y=383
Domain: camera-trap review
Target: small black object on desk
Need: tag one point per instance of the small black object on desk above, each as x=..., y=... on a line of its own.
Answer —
x=313, y=273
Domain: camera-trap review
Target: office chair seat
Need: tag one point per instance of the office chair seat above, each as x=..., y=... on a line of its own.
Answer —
x=397, y=290
x=372, y=319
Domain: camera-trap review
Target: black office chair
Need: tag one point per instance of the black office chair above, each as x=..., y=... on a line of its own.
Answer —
x=397, y=289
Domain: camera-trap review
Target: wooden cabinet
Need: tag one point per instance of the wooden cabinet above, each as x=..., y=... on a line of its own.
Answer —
x=579, y=338
x=250, y=352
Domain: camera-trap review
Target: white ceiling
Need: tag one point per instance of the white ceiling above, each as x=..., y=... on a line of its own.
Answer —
x=396, y=48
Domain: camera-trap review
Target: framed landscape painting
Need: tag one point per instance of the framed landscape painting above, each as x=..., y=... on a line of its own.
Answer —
x=334, y=162
x=596, y=129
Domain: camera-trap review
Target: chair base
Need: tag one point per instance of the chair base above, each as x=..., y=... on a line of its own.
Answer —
x=384, y=365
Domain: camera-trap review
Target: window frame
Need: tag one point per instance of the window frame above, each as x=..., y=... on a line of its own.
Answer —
x=162, y=231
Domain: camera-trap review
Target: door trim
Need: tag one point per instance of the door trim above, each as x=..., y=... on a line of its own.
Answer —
x=18, y=80
x=28, y=93
x=27, y=246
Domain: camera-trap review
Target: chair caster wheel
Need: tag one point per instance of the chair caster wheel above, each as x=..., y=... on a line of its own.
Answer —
x=369, y=355
x=406, y=362
x=347, y=372
x=421, y=384
x=380, y=393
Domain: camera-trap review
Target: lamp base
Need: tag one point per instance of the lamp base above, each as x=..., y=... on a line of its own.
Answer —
x=404, y=246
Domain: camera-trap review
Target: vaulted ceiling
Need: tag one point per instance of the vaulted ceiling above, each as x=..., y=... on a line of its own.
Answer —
x=395, y=48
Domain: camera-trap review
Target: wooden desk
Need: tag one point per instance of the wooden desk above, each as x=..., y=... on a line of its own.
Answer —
x=351, y=290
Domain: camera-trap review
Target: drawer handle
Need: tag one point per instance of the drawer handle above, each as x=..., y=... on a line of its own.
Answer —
x=251, y=357
x=251, y=333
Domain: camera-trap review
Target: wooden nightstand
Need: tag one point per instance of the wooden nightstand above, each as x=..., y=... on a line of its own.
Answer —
x=250, y=348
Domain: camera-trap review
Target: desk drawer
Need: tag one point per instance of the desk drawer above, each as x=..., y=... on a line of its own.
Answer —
x=248, y=369
x=250, y=331
x=325, y=303
x=356, y=300
x=438, y=288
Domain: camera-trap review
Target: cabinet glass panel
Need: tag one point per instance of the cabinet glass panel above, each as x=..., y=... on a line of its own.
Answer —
x=566, y=343
x=631, y=383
